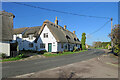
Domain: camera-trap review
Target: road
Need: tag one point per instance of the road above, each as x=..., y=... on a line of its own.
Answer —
x=25, y=67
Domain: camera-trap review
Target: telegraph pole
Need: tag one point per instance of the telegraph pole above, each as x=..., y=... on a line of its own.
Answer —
x=111, y=34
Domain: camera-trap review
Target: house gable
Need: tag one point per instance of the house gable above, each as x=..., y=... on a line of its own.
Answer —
x=46, y=40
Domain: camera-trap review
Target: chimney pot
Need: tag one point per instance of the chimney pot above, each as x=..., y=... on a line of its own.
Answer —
x=65, y=26
x=73, y=32
x=56, y=21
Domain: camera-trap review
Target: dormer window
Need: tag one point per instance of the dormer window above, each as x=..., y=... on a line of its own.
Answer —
x=45, y=35
x=78, y=39
x=74, y=39
x=67, y=37
x=31, y=36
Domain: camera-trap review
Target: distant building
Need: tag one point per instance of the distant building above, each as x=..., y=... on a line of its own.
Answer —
x=6, y=35
x=50, y=37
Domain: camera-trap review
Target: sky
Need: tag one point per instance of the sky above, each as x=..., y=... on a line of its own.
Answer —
x=29, y=17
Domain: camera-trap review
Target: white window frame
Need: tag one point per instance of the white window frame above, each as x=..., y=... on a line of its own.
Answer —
x=42, y=45
x=45, y=35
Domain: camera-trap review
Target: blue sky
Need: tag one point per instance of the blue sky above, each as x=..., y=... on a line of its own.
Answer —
x=29, y=17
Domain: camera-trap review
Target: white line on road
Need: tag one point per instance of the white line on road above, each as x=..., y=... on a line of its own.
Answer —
x=24, y=75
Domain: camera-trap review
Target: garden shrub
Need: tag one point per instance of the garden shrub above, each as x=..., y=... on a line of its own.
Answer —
x=41, y=52
x=3, y=55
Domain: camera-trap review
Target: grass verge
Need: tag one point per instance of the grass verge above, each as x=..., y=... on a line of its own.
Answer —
x=10, y=59
x=60, y=54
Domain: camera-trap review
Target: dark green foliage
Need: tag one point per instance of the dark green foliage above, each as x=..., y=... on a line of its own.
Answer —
x=101, y=44
x=116, y=39
x=83, y=40
x=41, y=52
x=3, y=55
x=20, y=56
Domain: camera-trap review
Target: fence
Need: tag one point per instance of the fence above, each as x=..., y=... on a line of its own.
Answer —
x=14, y=53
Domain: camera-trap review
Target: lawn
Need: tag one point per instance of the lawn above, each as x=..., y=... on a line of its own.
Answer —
x=10, y=59
x=60, y=54
x=21, y=56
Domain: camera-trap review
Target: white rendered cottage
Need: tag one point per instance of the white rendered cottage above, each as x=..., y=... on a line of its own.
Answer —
x=25, y=37
x=50, y=37
x=55, y=38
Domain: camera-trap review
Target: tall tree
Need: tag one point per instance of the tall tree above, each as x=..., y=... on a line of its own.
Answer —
x=83, y=40
x=116, y=39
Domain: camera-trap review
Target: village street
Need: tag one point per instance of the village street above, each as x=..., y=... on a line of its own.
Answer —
x=25, y=67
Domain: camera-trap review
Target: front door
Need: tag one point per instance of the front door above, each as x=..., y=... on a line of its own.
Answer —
x=49, y=47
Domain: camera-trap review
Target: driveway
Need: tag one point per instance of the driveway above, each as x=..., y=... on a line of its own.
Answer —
x=26, y=67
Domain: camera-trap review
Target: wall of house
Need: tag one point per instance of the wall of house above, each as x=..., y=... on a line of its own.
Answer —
x=25, y=44
x=5, y=48
x=17, y=35
x=62, y=46
x=50, y=39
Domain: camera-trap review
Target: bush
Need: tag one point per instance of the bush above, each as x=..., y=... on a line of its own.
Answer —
x=20, y=56
x=3, y=55
x=41, y=52
x=116, y=50
x=75, y=49
x=65, y=50
x=83, y=47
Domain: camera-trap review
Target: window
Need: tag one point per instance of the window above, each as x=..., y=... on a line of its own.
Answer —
x=45, y=35
x=67, y=37
x=65, y=46
x=78, y=39
x=42, y=45
x=30, y=36
x=74, y=39
x=30, y=45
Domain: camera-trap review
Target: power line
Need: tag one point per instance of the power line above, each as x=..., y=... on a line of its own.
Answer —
x=100, y=27
x=58, y=10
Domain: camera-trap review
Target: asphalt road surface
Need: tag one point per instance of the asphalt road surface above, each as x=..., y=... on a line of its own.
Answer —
x=25, y=67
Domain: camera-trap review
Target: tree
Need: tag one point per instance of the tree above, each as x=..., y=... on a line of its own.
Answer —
x=115, y=35
x=83, y=40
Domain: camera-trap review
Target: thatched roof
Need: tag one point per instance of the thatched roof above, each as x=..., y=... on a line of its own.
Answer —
x=6, y=26
x=60, y=34
x=19, y=30
x=32, y=30
x=27, y=31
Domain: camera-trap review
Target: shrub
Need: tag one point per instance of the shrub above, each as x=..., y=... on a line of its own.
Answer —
x=75, y=49
x=65, y=50
x=116, y=50
x=41, y=52
x=20, y=56
x=83, y=47
x=3, y=55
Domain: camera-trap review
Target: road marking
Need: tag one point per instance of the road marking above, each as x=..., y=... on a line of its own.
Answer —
x=112, y=64
x=98, y=58
x=24, y=75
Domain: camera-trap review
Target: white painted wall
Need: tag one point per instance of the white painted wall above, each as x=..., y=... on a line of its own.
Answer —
x=50, y=39
x=5, y=48
x=23, y=43
x=17, y=35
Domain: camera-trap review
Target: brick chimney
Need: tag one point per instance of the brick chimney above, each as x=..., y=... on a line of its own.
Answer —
x=56, y=21
x=73, y=32
x=65, y=26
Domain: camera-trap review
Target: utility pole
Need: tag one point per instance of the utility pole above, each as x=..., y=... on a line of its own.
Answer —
x=111, y=34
